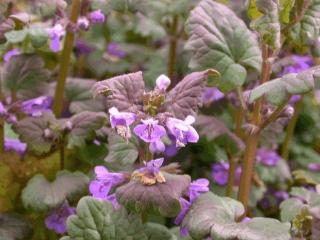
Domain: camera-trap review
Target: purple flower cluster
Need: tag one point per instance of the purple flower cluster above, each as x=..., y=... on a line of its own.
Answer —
x=267, y=157
x=15, y=145
x=300, y=63
x=273, y=198
x=100, y=187
x=211, y=94
x=115, y=51
x=11, y=53
x=196, y=188
x=36, y=106
x=96, y=16
x=56, y=33
x=57, y=218
x=220, y=173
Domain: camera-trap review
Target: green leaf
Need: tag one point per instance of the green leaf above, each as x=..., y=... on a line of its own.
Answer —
x=278, y=90
x=304, y=177
x=253, y=12
x=290, y=208
x=97, y=220
x=304, y=32
x=14, y=227
x=280, y=173
x=84, y=125
x=38, y=36
x=185, y=98
x=32, y=131
x=156, y=231
x=160, y=198
x=217, y=216
x=41, y=195
x=285, y=9
x=215, y=34
x=268, y=24
x=16, y=36
x=121, y=153
x=26, y=73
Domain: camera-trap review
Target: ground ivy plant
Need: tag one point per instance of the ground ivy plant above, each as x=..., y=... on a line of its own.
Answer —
x=151, y=120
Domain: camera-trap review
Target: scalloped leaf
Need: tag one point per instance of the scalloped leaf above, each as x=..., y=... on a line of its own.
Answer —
x=308, y=29
x=38, y=36
x=123, y=92
x=14, y=227
x=26, y=72
x=162, y=198
x=121, y=153
x=157, y=231
x=279, y=90
x=217, y=216
x=98, y=220
x=84, y=125
x=185, y=98
x=31, y=131
x=215, y=34
x=41, y=195
x=268, y=24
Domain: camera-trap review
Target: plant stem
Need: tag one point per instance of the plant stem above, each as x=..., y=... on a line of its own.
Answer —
x=231, y=173
x=65, y=60
x=290, y=130
x=172, y=56
x=252, y=139
x=62, y=153
x=274, y=115
x=2, y=136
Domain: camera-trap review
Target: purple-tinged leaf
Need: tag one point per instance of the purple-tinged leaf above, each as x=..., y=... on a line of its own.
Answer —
x=123, y=92
x=186, y=97
x=161, y=198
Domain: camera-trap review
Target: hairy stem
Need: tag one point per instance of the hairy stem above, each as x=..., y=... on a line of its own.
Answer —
x=65, y=60
x=231, y=176
x=172, y=55
x=290, y=130
x=62, y=156
x=274, y=115
x=252, y=139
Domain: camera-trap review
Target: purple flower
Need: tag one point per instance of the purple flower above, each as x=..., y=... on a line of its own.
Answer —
x=197, y=187
x=3, y=110
x=55, y=33
x=294, y=99
x=163, y=82
x=36, y=106
x=149, y=131
x=57, y=218
x=105, y=180
x=267, y=157
x=82, y=48
x=280, y=196
x=157, y=147
x=182, y=130
x=11, y=53
x=185, y=205
x=96, y=16
x=314, y=167
x=300, y=63
x=211, y=94
x=246, y=220
x=114, y=50
x=220, y=173
x=121, y=122
x=83, y=23
x=152, y=167
x=15, y=145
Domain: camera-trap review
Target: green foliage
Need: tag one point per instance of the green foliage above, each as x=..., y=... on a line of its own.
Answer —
x=268, y=25
x=40, y=195
x=160, y=198
x=215, y=34
x=217, y=216
x=280, y=173
x=285, y=9
x=98, y=220
x=279, y=90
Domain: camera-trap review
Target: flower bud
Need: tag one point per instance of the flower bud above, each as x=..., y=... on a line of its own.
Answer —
x=163, y=82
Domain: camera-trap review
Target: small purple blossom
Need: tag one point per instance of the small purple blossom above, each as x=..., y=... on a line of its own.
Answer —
x=121, y=121
x=211, y=94
x=11, y=53
x=114, y=50
x=3, y=110
x=15, y=145
x=96, y=16
x=300, y=63
x=294, y=99
x=197, y=187
x=36, y=106
x=246, y=220
x=105, y=180
x=157, y=147
x=57, y=218
x=83, y=23
x=267, y=157
x=149, y=131
x=314, y=167
x=82, y=48
x=185, y=205
x=152, y=167
x=55, y=34
x=220, y=173
x=182, y=130
x=163, y=82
